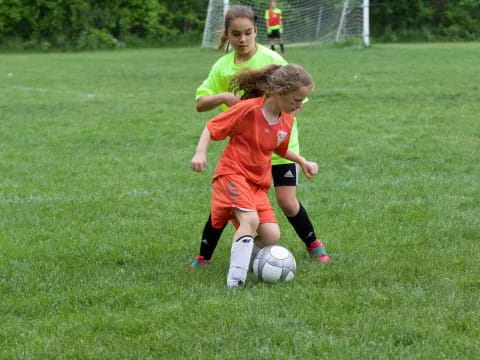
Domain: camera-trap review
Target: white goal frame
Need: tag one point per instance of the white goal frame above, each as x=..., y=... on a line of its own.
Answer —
x=338, y=30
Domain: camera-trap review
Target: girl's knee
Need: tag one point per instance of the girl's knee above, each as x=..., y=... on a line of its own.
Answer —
x=289, y=206
x=269, y=234
x=274, y=237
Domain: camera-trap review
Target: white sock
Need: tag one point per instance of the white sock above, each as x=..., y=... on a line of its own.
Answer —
x=239, y=260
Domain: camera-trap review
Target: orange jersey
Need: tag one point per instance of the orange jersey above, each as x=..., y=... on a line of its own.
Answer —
x=274, y=17
x=252, y=141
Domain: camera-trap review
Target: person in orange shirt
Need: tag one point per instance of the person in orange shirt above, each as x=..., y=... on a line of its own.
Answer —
x=257, y=126
x=273, y=18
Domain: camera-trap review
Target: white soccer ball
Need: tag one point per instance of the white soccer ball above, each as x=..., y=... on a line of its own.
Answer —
x=274, y=263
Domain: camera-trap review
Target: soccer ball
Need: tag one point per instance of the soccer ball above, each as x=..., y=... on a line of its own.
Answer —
x=274, y=263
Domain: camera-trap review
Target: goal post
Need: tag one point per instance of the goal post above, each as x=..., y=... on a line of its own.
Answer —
x=366, y=22
x=304, y=21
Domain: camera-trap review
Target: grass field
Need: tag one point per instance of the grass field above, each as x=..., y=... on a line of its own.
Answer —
x=100, y=213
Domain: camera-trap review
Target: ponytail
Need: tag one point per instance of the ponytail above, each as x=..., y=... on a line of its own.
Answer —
x=223, y=46
x=272, y=79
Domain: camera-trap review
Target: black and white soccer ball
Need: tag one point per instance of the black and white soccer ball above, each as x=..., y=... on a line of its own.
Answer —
x=274, y=263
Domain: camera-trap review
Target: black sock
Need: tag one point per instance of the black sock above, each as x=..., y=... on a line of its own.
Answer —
x=272, y=47
x=210, y=237
x=303, y=226
x=281, y=48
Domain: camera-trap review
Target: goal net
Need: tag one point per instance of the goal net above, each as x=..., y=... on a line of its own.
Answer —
x=304, y=21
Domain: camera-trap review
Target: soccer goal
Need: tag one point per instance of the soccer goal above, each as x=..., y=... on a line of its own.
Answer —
x=304, y=21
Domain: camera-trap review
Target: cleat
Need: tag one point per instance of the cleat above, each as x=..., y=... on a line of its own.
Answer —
x=318, y=253
x=198, y=263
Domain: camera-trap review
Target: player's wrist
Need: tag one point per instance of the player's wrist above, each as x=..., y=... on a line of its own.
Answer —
x=223, y=98
x=301, y=160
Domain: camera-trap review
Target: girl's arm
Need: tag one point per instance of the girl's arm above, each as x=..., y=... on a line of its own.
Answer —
x=309, y=168
x=199, y=160
x=209, y=102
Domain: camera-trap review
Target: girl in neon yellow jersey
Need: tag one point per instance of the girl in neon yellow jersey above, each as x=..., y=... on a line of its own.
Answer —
x=240, y=34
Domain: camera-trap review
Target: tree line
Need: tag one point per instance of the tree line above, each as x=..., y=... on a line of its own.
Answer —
x=94, y=24
x=425, y=20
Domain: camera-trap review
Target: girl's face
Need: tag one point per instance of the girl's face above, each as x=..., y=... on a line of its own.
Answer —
x=293, y=101
x=241, y=35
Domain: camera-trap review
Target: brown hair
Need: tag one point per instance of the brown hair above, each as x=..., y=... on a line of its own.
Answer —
x=235, y=12
x=272, y=79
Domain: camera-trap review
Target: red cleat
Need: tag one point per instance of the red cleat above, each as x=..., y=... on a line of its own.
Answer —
x=199, y=262
x=318, y=253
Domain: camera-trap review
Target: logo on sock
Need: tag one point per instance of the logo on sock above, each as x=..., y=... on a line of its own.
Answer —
x=246, y=239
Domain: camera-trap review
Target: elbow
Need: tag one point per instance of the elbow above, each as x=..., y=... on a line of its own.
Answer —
x=200, y=107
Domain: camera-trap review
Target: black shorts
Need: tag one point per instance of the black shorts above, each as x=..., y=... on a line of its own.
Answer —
x=285, y=174
x=275, y=34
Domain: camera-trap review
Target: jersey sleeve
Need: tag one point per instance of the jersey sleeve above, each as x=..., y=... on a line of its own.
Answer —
x=209, y=86
x=223, y=124
x=267, y=15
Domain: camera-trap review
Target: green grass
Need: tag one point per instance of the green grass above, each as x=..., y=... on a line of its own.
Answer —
x=100, y=213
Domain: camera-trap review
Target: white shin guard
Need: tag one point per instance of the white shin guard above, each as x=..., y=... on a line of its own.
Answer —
x=240, y=260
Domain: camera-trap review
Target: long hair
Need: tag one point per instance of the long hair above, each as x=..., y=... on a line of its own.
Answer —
x=235, y=12
x=269, y=80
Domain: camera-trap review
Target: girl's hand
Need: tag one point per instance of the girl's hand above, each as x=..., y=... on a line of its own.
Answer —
x=230, y=99
x=199, y=161
x=309, y=168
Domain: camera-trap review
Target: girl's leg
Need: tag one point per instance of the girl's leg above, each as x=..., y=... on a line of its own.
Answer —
x=242, y=247
x=287, y=200
x=282, y=49
x=299, y=219
x=267, y=234
x=208, y=243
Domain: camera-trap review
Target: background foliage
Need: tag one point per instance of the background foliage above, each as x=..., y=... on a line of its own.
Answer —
x=399, y=20
x=91, y=24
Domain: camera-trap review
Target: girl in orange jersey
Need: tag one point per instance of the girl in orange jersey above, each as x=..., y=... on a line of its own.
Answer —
x=257, y=127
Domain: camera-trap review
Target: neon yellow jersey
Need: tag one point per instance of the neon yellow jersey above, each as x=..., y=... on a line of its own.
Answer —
x=223, y=70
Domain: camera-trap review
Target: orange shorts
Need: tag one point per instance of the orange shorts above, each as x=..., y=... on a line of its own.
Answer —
x=234, y=191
